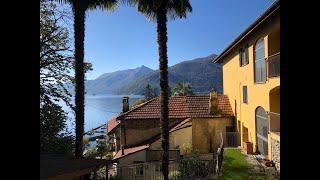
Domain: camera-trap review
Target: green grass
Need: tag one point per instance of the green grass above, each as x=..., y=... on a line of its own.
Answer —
x=234, y=165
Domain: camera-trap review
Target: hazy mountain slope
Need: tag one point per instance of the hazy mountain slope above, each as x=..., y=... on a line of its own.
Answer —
x=201, y=73
x=110, y=83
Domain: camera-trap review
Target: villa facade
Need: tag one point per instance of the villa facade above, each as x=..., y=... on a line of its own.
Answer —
x=251, y=80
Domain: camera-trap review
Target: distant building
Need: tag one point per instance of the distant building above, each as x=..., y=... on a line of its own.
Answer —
x=196, y=121
x=251, y=79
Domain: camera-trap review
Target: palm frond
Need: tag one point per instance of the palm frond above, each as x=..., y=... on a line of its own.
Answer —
x=175, y=8
x=63, y=1
x=108, y=5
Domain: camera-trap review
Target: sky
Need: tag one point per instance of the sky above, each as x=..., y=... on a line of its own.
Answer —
x=126, y=39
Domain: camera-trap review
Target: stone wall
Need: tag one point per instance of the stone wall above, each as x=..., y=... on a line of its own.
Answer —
x=276, y=153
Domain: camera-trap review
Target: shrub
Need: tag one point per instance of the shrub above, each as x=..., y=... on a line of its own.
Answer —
x=173, y=175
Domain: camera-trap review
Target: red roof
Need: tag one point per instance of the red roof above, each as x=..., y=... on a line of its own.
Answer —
x=130, y=151
x=180, y=107
x=112, y=123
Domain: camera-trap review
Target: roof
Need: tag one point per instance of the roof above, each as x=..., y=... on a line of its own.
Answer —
x=257, y=23
x=112, y=123
x=66, y=166
x=180, y=125
x=180, y=107
x=129, y=151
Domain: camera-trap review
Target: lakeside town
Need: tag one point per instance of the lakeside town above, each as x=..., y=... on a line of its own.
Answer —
x=173, y=132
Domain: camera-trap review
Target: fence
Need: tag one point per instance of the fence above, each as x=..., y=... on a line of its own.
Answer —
x=186, y=168
x=193, y=167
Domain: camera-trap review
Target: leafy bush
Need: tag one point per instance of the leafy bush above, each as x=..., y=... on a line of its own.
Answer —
x=91, y=153
x=192, y=166
x=173, y=175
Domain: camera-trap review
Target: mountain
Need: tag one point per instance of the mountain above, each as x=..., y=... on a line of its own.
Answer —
x=110, y=83
x=201, y=73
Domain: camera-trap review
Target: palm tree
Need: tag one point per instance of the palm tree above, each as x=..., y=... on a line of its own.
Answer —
x=182, y=89
x=79, y=8
x=159, y=11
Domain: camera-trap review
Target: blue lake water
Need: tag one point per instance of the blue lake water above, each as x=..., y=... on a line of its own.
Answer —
x=99, y=109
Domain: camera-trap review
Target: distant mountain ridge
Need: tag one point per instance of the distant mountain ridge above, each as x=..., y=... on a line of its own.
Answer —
x=110, y=83
x=201, y=73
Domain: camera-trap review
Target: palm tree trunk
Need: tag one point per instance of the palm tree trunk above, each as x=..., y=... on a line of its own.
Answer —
x=79, y=29
x=163, y=68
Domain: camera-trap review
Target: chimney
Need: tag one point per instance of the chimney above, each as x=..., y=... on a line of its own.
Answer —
x=122, y=151
x=213, y=103
x=125, y=104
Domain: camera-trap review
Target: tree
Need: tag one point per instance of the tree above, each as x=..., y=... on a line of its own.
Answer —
x=52, y=124
x=149, y=92
x=182, y=89
x=159, y=10
x=79, y=8
x=55, y=65
x=55, y=58
x=101, y=147
x=56, y=62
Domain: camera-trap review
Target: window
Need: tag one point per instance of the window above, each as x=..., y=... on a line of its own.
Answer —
x=244, y=56
x=244, y=94
x=259, y=62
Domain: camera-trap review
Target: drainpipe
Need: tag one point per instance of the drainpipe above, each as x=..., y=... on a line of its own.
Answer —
x=241, y=132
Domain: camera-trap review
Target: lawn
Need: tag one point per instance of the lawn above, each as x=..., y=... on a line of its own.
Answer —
x=234, y=165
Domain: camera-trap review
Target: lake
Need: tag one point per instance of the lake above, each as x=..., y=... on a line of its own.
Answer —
x=99, y=109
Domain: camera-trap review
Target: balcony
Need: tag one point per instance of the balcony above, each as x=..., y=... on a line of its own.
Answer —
x=273, y=64
x=274, y=119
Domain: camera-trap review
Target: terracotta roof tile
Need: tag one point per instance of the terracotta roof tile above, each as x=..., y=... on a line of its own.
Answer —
x=112, y=123
x=130, y=151
x=180, y=107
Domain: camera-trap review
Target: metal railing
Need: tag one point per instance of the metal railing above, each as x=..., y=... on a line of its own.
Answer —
x=185, y=168
x=274, y=120
x=273, y=65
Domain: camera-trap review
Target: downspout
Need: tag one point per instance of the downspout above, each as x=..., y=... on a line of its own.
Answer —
x=241, y=133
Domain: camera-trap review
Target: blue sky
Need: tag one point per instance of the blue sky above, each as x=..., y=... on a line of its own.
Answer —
x=126, y=39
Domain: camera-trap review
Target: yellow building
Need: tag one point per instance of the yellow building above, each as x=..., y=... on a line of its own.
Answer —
x=251, y=80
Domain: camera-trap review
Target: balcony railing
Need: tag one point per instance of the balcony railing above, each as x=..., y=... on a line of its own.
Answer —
x=274, y=119
x=273, y=63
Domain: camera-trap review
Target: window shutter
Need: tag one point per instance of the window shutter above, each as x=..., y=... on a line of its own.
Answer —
x=247, y=54
x=240, y=57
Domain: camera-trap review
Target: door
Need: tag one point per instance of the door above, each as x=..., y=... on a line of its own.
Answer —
x=262, y=131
